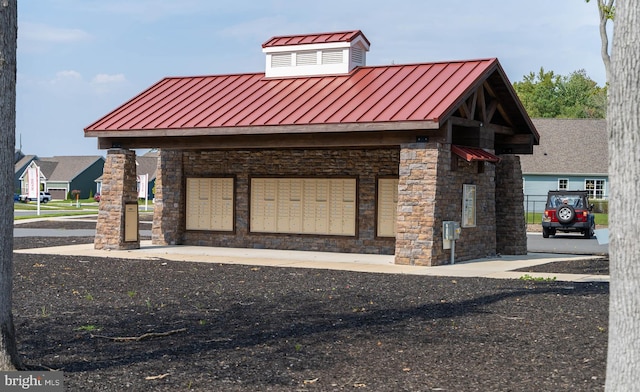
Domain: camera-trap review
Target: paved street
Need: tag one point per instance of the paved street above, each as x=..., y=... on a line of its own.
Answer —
x=562, y=243
x=565, y=243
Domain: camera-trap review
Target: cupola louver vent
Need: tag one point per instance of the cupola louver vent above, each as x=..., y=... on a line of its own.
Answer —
x=333, y=56
x=281, y=60
x=306, y=58
x=357, y=56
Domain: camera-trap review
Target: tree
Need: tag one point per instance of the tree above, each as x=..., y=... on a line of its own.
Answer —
x=8, y=43
x=581, y=97
x=539, y=93
x=546, y=94
x=606, y=10
x=623, y=123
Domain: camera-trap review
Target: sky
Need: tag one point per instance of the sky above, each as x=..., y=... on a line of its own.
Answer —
x=80, y=59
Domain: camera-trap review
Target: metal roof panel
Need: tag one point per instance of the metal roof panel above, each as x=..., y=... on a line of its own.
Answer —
x=471, y=154
x=317, y=38
x=415, y=92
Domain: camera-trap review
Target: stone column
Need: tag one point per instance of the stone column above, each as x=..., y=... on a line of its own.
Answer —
x=169, y=202
x=416, y=203
x=511, y=230
x=119, y=188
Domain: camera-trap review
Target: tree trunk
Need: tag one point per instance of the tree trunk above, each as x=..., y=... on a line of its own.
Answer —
x=623, y=123
x=8, y=42
x=605, y=10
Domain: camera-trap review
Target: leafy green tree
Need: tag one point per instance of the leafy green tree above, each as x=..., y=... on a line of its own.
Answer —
x=539, y=93
x=545, y=94
x=581, y=97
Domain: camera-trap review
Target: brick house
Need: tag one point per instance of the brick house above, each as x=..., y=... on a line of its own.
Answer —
x=322, y=152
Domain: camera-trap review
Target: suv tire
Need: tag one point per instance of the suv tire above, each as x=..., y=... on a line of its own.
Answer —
x=565, y=214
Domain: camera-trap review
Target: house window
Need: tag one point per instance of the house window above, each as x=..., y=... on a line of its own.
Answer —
x=595, y=188
x=387, y=207
x=563, y=184
x=303, y=206
x=209, y=204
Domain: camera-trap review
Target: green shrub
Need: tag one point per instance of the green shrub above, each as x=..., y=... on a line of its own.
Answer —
x=600, y=206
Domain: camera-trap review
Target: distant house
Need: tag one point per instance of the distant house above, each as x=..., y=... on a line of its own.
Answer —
x=61, y=174
x=146, y=165
x=21, y=162
x=573, y=155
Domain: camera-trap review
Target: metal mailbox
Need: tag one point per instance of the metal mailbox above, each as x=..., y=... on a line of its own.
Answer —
x=450, y=230
x=131, y=222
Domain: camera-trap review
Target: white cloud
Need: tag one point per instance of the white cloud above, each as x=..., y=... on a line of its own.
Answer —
x=35, y=32
x=105, y=83
x=108, y=79
x=67, y=76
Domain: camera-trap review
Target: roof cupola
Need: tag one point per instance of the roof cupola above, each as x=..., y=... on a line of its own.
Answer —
x=315, y=54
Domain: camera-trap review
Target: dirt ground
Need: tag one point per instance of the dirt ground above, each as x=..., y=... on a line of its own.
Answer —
x=158, y=325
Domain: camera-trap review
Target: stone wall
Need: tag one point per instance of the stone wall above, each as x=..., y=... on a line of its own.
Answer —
x=366, y=165
x=511, y=229
x=119, y=188
x=429, y=193
x=415, y=232
x=168, y=205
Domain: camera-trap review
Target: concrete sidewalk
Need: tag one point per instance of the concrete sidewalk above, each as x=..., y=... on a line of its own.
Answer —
x=497, y=268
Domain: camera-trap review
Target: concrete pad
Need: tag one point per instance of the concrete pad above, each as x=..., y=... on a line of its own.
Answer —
x=500, y=267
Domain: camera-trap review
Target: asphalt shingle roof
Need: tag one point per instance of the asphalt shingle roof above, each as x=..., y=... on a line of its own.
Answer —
x=147, y=165
x=569, y=146
x=65, y=168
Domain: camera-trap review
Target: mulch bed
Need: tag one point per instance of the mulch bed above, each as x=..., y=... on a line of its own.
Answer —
x=598, y=266
x=158, y=325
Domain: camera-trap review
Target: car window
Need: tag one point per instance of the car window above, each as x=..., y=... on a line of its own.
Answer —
x=574, y=201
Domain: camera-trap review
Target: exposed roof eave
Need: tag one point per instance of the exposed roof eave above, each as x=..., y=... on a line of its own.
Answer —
x=518, y=103
x=266, y=130
x=494, y=68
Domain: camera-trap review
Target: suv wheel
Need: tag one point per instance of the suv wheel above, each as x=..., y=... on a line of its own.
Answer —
x=565, y=214
x=545, y=232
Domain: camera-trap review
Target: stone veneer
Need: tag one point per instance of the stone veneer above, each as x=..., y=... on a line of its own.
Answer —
x=511, y=229
x=119, y=188
x=430, y=192
x=366, y=165
x=168, y=202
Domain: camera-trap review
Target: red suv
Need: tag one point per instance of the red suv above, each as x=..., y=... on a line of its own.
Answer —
x=568, y=211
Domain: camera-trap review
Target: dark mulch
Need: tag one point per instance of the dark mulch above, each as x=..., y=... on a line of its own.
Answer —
x=598, y=266
x=247, y=328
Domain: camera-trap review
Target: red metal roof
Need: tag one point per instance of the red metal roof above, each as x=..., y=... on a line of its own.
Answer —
x=319, y=38
x=415, y=92
x=473, y=154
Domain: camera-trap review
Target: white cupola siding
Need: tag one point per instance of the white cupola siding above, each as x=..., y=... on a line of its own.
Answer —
x=327, y=58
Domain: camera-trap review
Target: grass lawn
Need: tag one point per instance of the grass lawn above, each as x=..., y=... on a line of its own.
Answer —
x=533, y=217
x=63, y=208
